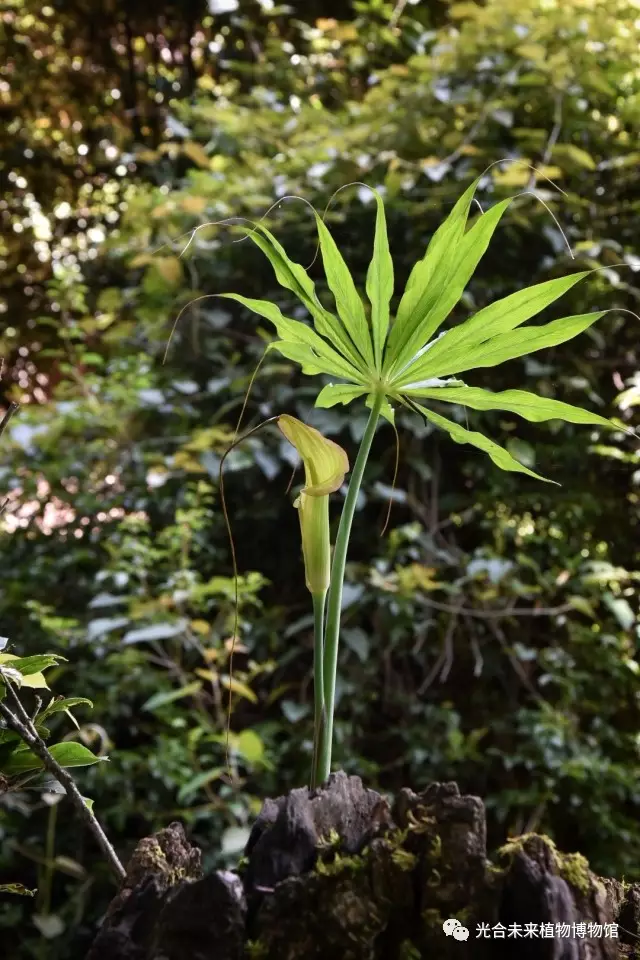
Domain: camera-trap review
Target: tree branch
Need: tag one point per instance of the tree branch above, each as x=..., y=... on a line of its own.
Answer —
x=13, y=406
x=21, y=722
x=499, y=614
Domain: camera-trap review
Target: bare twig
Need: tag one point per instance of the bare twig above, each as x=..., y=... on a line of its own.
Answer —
x=445, y=659
x=477, y=655
x=397, y=13
x=499, y=614
x=21, y=722
x=551, y=142
x=536, y=817
x=36, y=710
x=475, y=127
x=3, y=425
x=448, y=649
x=8, y=414
x=515, y=663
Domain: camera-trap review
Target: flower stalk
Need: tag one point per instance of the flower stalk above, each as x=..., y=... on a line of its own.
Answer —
x=334, y=599
x=319, y=709
x=325, y=466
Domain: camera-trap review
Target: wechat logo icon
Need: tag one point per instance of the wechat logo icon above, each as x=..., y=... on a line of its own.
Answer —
x=453, y=928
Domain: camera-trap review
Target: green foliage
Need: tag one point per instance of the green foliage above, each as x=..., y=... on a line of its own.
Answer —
x=435, y=285
x=450, y=667
x=16, y=758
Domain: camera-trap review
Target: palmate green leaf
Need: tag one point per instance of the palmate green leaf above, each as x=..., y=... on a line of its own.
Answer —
x=379, y=283
x=413, y=362
x=498, y=454
x=427, y=279
x=522, y=342
x=386, y=410
x=348, y=303
x=489, y=323
x=335, y=393
x=526, y=405
x=293, y=331
x=463, y=262
x=300, y=353
x=292, y=276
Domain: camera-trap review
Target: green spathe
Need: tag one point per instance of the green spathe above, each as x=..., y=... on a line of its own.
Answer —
x=325, y=466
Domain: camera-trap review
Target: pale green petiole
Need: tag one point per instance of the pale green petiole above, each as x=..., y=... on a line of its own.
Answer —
x=334, y=602
x=319, y=713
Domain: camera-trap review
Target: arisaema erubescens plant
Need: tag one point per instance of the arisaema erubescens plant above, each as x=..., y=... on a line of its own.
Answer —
x=401, y=360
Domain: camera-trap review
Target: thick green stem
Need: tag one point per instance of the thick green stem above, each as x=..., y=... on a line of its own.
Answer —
x=319, y=717
x=334, y=600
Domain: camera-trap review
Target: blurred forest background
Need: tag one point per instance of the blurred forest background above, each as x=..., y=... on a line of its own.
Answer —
x=491, y=635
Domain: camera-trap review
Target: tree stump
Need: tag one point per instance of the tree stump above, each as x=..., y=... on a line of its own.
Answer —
x=339, y=873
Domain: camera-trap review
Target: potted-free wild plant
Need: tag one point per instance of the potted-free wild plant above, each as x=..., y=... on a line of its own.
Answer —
x=394, y=362
x=362, y=879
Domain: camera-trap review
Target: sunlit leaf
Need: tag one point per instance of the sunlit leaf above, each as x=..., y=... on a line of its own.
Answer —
x=63, y=704
x=574, y=153
x=489, y=323
x=293, y=331
x=197, y=153
x=461, y=266
x=250, y=746
x=155, y=631
x=335, y=393
x=237, y=686
x=292, y=276
x=71, y=754
x=379, y=285
x=169, y=268
x=525, y=341
x=527, y=405
x=30, y=665
x=303, y=354
x=427, y=280
x=498, y=454
x=582, y=605
x=35, y=680
x=348, y=303
x=164, y=697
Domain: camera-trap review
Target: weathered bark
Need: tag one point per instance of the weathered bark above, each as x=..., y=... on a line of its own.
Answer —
x=338, y=873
